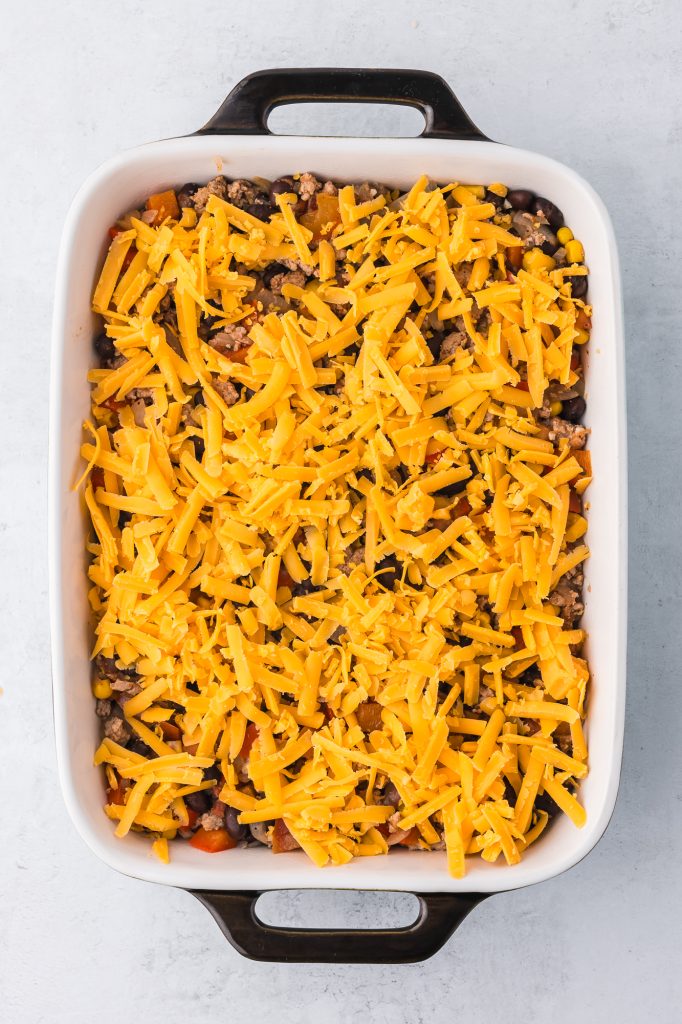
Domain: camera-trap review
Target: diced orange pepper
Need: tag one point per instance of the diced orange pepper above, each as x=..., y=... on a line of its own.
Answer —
x=322, y=220
x=165, y=204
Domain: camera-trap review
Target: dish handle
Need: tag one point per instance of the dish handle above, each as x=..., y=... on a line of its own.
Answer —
x=439, y=915
x=247, y=108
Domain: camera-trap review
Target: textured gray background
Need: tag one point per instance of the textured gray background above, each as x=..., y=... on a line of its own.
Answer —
x=595, y=84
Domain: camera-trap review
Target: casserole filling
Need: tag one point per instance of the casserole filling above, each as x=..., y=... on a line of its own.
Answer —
x=335, y=478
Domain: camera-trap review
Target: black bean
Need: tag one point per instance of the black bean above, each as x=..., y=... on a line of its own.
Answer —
x=187, y=192
x=573, y=409
x=198, y=398
x=389, y=570
x=280, y=187
x=139, y=747
x=233, y=826
x=520, y=198
x=549, y=211
x=579, y=286
x=105, y=349
x=544, y=802
x=272, y=270
x=304, y=588
x=194, y=687
x=212, y=774
x=123, y=519
x=433, y=344
x=263, y=211
x=199, y=448
x=337, y=634
x=450, y=490
x=492, y=197
x=199, y=802
x=390, y=795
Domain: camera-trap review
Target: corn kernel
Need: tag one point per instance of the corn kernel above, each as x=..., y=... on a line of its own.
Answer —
x=574, y=251
x=564, y=235
x=536, y=259
x=101, y=689
x=476, y=190
x=581, y=337
x=499, y=190
x=555, y=408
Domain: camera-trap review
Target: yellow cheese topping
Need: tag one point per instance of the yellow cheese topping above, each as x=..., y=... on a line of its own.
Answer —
x=326, y=561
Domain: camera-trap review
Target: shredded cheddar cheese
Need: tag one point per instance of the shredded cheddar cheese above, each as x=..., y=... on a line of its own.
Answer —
x=326, y=561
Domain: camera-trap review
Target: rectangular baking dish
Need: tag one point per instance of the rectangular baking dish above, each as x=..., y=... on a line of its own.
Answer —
x=236, y=142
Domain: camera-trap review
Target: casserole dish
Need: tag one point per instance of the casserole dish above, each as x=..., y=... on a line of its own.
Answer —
x=237, y=142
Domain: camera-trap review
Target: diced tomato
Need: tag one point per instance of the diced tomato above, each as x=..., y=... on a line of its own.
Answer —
x=383, y=829
x=523, y=385
x=463, y=507
x=518, y=637
x=214, y=841
x=282, y=839
x=411, y=838
x=113, y=231
x=284, y=579
x=250, y=738
x=238, y=355
x=118, y=795
x=515, y=256
x=112, y=404
x=575, y=503
x=434, y=456
x=324, y=218
x=170, y=731
x=583, y=321
x=165, y=204
x=193, y=818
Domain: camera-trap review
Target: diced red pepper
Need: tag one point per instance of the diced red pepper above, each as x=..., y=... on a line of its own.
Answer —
x=434, y=456
x=112, y=404
x=193, y=818
x=523, y=385
x=214, y=841
x=282, y=839
x=250, y=737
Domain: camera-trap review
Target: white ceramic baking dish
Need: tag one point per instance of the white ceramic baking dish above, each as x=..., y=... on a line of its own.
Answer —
x=237, y=143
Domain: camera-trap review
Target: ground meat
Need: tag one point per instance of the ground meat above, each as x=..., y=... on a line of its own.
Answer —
x=117, y=730
x=244, y=193
x=231, y=338
x=453, y=341
x=216, y=187
x=308, y=185
x=573, y=432
x=103, y=708
x=368, y=715
x=127, y=686
x=215, y=818
x=108, y=668
x=353, y=558
x=295, y=277
x=227, y=391
x=568, y=596
x=299, y=265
